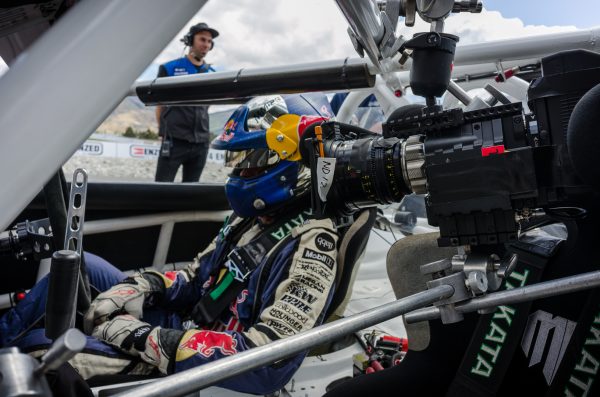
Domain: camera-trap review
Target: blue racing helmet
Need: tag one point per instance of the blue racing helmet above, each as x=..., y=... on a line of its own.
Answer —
x=260, y=181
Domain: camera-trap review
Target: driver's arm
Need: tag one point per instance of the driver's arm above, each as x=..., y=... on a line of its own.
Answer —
x=304, y=289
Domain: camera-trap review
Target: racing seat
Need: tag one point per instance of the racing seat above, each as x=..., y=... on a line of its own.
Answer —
x=352, y=247
x=433, y=346
x=428, y=342
x=403, y=262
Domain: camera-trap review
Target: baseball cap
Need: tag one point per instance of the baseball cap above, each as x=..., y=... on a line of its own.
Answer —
x=203, y=27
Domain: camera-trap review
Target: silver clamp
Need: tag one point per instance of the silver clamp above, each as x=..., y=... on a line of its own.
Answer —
x=471, y=275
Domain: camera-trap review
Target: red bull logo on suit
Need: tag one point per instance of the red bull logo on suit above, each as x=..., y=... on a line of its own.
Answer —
x=206, y=343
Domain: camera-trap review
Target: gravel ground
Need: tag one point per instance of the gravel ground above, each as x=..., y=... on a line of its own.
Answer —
x=140, y=170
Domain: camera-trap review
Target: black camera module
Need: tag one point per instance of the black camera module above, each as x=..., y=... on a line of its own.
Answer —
x=481, y=170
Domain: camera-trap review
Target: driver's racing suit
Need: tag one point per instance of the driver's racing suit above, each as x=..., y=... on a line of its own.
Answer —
x=287, y=293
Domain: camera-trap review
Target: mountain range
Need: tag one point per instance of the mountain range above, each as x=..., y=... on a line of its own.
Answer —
x=133, y=113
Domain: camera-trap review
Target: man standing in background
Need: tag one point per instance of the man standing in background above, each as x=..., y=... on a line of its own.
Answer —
x=185, y=129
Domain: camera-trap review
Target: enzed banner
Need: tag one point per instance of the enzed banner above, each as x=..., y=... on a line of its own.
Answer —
x=133, y=149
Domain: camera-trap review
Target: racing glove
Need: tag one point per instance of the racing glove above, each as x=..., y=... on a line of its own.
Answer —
x=154, y=345
x=129, y=296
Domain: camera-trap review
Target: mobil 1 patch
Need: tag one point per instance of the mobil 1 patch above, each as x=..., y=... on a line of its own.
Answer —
x=318, y=256
x=324, y=242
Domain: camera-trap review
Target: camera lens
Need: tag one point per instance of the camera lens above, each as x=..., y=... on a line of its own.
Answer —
x=368, y=168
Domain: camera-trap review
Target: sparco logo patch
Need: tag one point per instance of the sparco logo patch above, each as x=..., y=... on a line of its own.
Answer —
x=141, y=331
x=324, y=242
x=317, y=256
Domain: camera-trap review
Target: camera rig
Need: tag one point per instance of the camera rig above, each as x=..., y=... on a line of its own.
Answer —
x=488, y=174
x=354, y=168
x=482, y=170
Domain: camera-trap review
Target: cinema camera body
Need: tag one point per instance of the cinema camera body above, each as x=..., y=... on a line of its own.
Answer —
x=485, y=172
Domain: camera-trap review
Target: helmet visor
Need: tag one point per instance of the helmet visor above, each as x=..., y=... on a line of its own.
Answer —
x=251, y=158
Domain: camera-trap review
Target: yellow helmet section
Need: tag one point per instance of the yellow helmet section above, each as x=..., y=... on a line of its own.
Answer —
x=283, y=138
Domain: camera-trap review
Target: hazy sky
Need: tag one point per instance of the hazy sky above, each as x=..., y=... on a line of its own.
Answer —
x=272, y=32
x=581, y=13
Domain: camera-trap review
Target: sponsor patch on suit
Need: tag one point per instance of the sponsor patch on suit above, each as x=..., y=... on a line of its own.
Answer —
x=318, y=256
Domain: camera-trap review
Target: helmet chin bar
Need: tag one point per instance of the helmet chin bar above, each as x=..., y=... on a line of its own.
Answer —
x=264, y=193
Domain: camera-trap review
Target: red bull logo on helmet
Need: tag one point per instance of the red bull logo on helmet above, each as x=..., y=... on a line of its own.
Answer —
x=228, y=131
x=206, y=343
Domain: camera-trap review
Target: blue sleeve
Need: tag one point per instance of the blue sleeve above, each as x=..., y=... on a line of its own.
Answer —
x=183, y=288
x=182, y=293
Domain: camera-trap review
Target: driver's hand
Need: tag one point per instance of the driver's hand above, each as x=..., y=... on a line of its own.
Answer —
x=126, y=297
x=139, y=339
